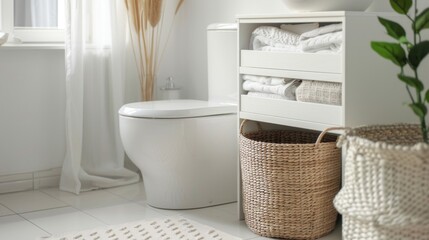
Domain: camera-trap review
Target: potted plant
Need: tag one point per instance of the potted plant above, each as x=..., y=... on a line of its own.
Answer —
x=386, y=180
x=408, y=53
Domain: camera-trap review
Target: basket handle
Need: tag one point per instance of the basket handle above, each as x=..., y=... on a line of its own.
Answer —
x=322, y=134
x=245, y=120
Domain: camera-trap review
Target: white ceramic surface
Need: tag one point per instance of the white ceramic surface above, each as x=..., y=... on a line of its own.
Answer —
x=175, y=109
x=222, y=63
x=185, y=163
x=327, y=5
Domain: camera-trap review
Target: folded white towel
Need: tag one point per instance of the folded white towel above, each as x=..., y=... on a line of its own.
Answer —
x=299, y=28
x=321, y=31
x=261, y=43
x=266, y=80
x=268, y=95
x=272, y=36
x=287, y=90
x=330, y=42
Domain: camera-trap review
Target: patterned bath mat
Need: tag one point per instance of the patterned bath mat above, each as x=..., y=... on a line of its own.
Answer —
x=171, y=228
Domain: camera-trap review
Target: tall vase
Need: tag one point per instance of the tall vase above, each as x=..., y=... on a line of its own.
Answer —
x=386, y=184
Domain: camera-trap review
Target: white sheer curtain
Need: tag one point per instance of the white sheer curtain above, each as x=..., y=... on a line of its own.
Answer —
x=95, y=63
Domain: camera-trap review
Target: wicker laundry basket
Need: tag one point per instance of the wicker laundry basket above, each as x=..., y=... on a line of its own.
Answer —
x=386, y=184
x=289, y=181
x=319, y=92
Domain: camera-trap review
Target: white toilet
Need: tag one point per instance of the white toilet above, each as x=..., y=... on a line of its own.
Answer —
x=187, y=149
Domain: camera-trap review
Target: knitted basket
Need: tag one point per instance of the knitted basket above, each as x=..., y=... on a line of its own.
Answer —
x=289, y=181
x=319, y=92
x=386, y=184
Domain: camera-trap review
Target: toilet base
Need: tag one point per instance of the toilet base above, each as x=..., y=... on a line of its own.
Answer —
x=185, y=163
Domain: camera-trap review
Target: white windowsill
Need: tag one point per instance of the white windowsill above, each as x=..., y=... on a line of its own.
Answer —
x=32, y=46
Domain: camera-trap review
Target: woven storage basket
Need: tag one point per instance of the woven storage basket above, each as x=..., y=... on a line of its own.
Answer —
x=289, y=182
x=386, y=188
x=319, y=92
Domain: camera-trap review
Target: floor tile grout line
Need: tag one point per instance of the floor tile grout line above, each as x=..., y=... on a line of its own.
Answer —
x=14, y=213
x=49, y=195
x=108, y=224
x=34, y=224
x=104, y=190
x=45, y=209
x=119, y=195
x=77, y=210
x=98, y=219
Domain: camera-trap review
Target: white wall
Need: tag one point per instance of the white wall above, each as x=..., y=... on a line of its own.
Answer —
x=32, y=100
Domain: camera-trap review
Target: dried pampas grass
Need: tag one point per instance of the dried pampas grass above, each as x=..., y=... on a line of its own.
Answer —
x=149, y=37
x=179, y=4
x=154, y=11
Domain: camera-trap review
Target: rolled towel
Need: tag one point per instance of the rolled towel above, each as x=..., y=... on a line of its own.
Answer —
x=266, y=80
x=261, y=43
x=272, y=36
x=287, y=90
x=299, y=28
x=330, y=41
x=321, y=31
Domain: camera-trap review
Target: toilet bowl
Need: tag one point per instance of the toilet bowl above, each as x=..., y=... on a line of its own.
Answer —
x=186, y=150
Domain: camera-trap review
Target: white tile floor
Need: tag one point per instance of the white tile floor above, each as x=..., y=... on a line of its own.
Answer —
x=36, y=214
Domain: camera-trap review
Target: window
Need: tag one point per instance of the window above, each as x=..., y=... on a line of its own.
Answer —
x=33, y=20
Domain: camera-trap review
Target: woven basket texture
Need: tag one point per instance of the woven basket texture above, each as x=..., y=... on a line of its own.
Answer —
x=386, y=184
x=319, y=92
x=289, y=183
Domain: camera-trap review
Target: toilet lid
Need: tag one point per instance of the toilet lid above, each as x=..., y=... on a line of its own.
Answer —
x=176, y=109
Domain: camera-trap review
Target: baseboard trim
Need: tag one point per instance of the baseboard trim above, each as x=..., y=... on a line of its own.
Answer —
x=30, y=181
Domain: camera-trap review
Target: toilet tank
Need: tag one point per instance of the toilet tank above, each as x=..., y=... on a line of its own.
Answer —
x=222, y=62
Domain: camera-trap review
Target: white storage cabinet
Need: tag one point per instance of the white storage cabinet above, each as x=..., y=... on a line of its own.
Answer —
x=371, y=92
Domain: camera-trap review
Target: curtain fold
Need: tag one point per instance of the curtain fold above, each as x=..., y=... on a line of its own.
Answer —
x=95, y=75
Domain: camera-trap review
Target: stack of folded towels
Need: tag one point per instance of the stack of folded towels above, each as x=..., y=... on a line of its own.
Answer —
x=298, y=38
x=270, y=87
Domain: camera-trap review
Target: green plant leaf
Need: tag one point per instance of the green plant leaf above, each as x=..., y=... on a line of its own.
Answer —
x=417, y=53
x=401, y=6
x=419, y=109
x=391, y=51
x=404, y=40
x=422, y=20
x=393, y=29
x=427, y=96
x=412, y=82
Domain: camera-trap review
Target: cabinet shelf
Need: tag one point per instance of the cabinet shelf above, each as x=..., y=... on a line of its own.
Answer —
x=311, y=113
